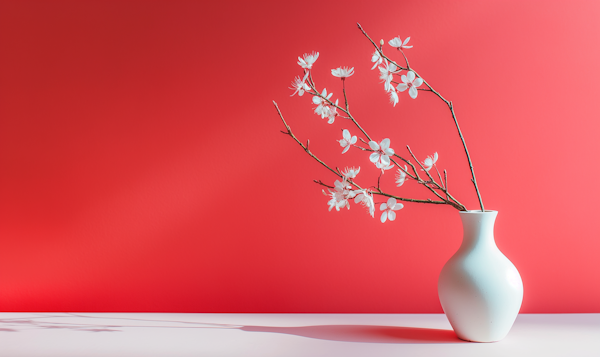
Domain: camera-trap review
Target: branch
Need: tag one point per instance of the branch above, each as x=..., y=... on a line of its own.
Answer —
x=338, y=173
x=446, y=180
x=411, y=199
x=379, y=49
x=289, y=132
x=338, y=107
x=448, y=103
x=452, y=201
x=322, y=184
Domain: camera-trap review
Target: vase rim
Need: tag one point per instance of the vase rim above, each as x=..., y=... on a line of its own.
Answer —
x=487, y=211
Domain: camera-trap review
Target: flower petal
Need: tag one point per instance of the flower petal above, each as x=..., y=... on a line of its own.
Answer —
x=373, y=145
x=388, y=84
x=346, y=134
x=410, y=76
x=346, y=149
x=384, y=216
x=418, y=82
x=413, y=92
x=402, y=87
x=391, y=215
x=391, y=202
x=374, y=157
x=385, y=143
x=385, y=160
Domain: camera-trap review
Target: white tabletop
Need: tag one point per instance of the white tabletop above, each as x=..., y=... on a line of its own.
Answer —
x=283, y=335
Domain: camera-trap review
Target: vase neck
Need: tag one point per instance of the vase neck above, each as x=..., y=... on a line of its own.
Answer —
x=478, y=228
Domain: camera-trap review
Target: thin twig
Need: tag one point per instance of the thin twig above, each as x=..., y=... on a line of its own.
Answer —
x=420, y=164
x=289, y=132
x=405, y=59
x=440, y=176
x=362, y=148
x=446, y=181
x=344, y=90
x=322, y=184
x=429, y=200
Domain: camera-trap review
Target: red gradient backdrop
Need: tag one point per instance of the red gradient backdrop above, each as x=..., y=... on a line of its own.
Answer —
x=142, y=167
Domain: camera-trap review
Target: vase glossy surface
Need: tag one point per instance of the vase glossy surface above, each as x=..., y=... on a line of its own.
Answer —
x=479, y=288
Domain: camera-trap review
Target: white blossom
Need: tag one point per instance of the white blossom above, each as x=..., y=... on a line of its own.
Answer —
x=350, y=173
x=397, y=42
x=365, y=198
x=332, y=112
x=342, y=72
x=381, y=153
x=389, y=208
x=386, y=74
x=411, y=83
x=430, y=161
x=299, y=86
x=384, y=167
x=322, y=108
x=340, y=195
x=347, y=140
x=377, y=59
x=401, y=176
x=308, y=59
x=393, y=96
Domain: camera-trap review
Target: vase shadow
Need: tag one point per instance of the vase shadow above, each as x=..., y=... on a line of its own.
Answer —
x=344, y=333
x=365, y=333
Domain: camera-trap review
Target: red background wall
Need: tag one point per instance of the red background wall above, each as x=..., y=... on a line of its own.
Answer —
x=142, y=168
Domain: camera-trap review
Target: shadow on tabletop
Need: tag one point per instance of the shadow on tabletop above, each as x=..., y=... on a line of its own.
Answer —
x=365, y=333
x=344, y=333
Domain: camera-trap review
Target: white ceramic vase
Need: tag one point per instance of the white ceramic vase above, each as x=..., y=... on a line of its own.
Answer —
x=480, y=289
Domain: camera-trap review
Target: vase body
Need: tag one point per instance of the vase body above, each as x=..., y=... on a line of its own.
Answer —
x=479, y=288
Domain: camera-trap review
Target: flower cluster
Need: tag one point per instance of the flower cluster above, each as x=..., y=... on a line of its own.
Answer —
x=324, y=107
x=342, y=193
x=387, y=72
x=379, y=152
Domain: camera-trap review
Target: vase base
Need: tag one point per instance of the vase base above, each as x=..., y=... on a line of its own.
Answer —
x=466, y=339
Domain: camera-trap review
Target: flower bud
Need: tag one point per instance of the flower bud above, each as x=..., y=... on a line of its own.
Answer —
x=381, y=42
